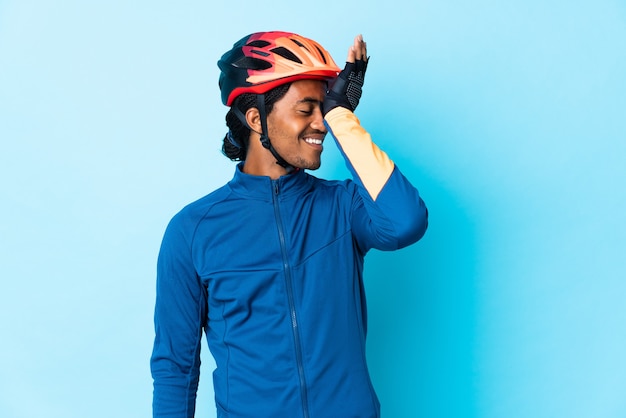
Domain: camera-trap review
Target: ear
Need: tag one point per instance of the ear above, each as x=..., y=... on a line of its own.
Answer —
x=253, y=117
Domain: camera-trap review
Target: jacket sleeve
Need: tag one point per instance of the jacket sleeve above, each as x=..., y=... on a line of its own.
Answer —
x=390, y=213
x=180, y=313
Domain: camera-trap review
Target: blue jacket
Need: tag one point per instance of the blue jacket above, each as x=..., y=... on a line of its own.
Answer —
x=271, y=271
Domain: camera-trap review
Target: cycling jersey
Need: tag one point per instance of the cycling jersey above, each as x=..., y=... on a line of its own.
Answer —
x=272, y=272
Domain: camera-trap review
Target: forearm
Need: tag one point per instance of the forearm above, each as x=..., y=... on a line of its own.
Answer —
x=175, y=367
x=370, y=166
x=396, y=214
x=174, y=397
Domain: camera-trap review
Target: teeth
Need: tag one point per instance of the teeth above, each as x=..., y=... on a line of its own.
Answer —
x=313, y=141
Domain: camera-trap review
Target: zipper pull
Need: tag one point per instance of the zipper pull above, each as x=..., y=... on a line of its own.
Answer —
x=276, y=189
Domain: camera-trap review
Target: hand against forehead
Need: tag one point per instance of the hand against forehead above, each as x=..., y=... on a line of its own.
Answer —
x=345, y=91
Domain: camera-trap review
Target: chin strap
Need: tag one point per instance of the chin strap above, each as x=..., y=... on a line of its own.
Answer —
x=265, y=139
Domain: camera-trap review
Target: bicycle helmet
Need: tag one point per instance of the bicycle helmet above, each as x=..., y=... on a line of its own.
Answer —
x=261, y=61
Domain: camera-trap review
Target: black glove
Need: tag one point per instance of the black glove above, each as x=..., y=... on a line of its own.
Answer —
x=346, y=90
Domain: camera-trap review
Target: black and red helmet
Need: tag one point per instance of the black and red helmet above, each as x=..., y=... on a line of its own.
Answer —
x=261, y=61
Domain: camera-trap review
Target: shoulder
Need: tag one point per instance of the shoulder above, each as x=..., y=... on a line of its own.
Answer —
x=332, y=186
x=191, y=214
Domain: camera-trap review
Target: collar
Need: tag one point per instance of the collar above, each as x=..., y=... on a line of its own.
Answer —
x=264, y=188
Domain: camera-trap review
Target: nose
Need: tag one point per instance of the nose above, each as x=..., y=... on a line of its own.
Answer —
x=318, y=121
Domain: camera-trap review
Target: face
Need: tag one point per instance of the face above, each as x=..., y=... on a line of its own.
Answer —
x=296, y=124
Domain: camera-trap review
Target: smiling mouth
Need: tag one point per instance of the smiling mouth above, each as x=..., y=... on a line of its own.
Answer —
x=314, y=138
x=313, y=141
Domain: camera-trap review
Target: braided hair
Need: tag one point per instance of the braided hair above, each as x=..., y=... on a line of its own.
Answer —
x=236, y=142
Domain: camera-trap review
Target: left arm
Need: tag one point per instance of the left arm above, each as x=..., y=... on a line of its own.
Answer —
x=395, y=215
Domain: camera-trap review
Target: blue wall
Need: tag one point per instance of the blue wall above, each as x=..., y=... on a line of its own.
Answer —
x=509, y=116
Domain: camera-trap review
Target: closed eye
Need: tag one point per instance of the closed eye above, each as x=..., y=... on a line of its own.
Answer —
x=309, y=105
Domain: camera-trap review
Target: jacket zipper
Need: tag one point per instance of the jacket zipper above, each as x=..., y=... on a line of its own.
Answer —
x=290, y=298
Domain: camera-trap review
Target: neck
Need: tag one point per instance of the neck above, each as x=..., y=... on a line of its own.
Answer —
x=265, y=168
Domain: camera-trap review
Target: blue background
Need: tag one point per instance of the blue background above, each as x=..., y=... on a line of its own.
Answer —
x=509, y=116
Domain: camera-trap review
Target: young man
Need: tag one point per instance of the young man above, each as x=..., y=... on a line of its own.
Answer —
x=270, y=265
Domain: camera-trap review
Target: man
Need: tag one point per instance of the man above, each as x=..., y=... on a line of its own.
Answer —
x=270, y=265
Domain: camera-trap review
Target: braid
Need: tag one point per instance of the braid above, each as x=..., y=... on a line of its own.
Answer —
x=236, y=147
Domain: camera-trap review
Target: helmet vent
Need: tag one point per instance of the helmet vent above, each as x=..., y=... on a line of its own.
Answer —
x=287, y=54
x=251, y=63
x=322, y=54
x=261, y=53
x=300, y=44
x=258, y=43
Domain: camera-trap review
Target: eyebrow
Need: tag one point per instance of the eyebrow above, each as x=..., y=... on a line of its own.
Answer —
x=309, y=100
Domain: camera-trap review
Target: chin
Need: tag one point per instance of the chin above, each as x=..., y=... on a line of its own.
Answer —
x=307, y=164
x=314, y=166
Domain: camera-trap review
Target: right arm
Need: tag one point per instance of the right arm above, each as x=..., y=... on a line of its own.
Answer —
x=179, y=317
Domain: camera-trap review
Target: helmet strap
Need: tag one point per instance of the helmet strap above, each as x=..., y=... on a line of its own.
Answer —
x=265, y=139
